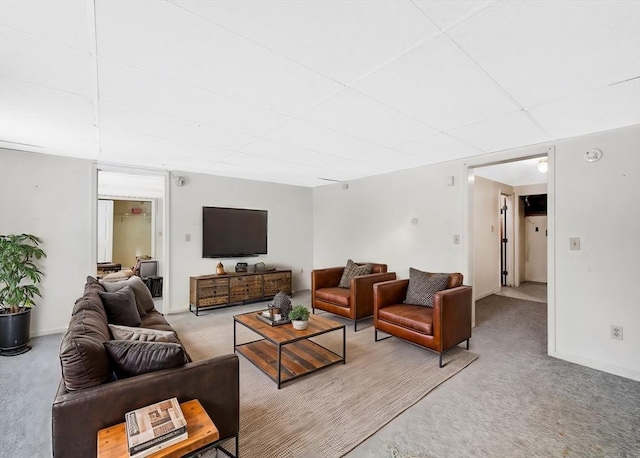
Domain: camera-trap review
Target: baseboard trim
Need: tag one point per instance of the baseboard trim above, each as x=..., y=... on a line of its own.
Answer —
x=598, y=365
x=46, y=332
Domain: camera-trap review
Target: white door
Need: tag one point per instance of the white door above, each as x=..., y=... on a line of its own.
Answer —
x=105, y=230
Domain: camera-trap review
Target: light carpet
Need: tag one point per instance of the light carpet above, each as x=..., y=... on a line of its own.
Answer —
x=328, y=413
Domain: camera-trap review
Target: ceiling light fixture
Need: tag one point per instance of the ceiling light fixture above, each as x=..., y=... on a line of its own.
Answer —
x=543, y=165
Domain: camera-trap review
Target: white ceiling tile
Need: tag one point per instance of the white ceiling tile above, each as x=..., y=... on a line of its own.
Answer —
x=160, y=146
x=165, y=160
x=359, y=116
x=439, y=148
x=287, y=153
x=508, y=131
x=56, y=136
x=163, y=127
x=438, y=85
x=28, y=58
x=40, y=100
x=342, y=39
x=541, y=51
x=316, y=138
x=516, y=173
x=167, y=40
x=602, y=109
x=128, y=86
x=361, y=168
x=257, y=174
x=64, y=22
x=449, y=12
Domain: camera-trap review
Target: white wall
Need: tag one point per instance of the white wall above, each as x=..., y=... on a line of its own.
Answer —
x=486, y=235
x=290, y=235
x=50, y=196
x=371, y=221
x=599, y=285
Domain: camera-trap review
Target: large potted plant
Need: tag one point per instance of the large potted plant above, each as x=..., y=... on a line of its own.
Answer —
x=19, y=277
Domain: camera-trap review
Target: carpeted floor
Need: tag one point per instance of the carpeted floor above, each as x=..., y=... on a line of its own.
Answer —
x=327, y=413
x=512, y=401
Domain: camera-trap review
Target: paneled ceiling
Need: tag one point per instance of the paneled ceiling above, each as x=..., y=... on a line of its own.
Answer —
x=311, y=92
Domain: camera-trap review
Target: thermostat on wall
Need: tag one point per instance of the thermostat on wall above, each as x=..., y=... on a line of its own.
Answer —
x=593, y=155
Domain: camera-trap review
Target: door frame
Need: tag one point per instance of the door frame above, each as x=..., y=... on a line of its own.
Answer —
x=468, y=182
x=166, y=255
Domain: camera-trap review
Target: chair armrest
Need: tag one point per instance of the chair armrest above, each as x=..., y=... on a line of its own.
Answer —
x=452, y=316
x=77, y=416
x=362, y=291
x=389, y=293
x=326, y=278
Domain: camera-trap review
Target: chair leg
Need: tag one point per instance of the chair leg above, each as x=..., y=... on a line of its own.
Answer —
x=468, y=343
x=355, y=325
x=441, y=360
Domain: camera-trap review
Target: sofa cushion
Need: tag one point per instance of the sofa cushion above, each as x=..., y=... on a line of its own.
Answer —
x=142, y=334
x=90, y=301
x=423, y=285
x=132, y=357
x=155, y=320
x=144, y=300
x=121, y=307
x=92, y=285
x=353, y=270
x=83, y=357
x=415, y=317
x=338, y=296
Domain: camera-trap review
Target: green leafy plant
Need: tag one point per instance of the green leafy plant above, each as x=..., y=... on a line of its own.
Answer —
x=299, y=313
x=19, y=275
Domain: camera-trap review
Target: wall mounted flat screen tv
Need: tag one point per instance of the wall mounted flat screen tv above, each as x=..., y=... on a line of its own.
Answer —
x=233, y=232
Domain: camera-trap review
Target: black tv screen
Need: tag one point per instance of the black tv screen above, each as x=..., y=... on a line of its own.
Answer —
x=233, y=232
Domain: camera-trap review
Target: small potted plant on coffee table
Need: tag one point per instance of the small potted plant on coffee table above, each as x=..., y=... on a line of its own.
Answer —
x=299, y=317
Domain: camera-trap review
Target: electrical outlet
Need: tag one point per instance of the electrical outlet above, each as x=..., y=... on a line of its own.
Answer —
x=187, y=237
x=301, y=271
x=616, y=332
x=456, y=240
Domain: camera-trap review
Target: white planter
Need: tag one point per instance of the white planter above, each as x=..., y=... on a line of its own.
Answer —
x=299, y=324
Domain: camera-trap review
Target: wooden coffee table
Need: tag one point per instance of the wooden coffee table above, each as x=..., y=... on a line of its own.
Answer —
x=284, y=353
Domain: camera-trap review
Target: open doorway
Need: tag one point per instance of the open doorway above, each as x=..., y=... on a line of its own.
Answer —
x=130, y=226
x=509, y=240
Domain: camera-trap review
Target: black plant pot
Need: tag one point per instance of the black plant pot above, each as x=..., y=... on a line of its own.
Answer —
x=14, y=332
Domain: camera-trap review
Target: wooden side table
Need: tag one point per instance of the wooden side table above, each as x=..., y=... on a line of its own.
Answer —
x=112, y=441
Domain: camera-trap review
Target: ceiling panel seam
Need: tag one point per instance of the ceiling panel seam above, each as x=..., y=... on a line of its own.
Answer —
x=92, y=33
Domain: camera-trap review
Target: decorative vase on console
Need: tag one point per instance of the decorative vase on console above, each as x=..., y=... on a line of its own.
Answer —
x=220, y=269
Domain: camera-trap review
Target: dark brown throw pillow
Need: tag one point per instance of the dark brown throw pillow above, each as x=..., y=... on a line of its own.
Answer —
x=144, y=300
x=135, y=357
x=121, y=307
x=423, y=285
x=353, y=270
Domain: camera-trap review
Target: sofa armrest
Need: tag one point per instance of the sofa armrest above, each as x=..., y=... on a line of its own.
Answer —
x=362, y=292
x=452, y=316
x=78, y=416
x=389, y=293
x=326, y=278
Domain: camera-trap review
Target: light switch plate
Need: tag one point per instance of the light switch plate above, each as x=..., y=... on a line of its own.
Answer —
x=574, y=243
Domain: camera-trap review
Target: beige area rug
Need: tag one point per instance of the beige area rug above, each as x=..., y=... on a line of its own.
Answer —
x=330, y=412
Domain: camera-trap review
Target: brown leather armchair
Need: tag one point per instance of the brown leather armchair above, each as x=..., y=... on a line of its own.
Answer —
x=440, y=328
x=354, y=303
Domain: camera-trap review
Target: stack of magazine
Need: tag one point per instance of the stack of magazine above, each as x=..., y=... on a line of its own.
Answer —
x=155, y=427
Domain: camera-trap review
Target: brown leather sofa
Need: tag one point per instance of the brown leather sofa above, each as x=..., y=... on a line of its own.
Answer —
x=355, y=302
x=89, y=398
x=440, y=328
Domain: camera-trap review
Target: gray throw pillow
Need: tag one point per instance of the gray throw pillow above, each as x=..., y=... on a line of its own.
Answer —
x=353, y=270
x=142, y=334
x=144, y=300
x=423, y=285
x=132, y=357
x=121, y=307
